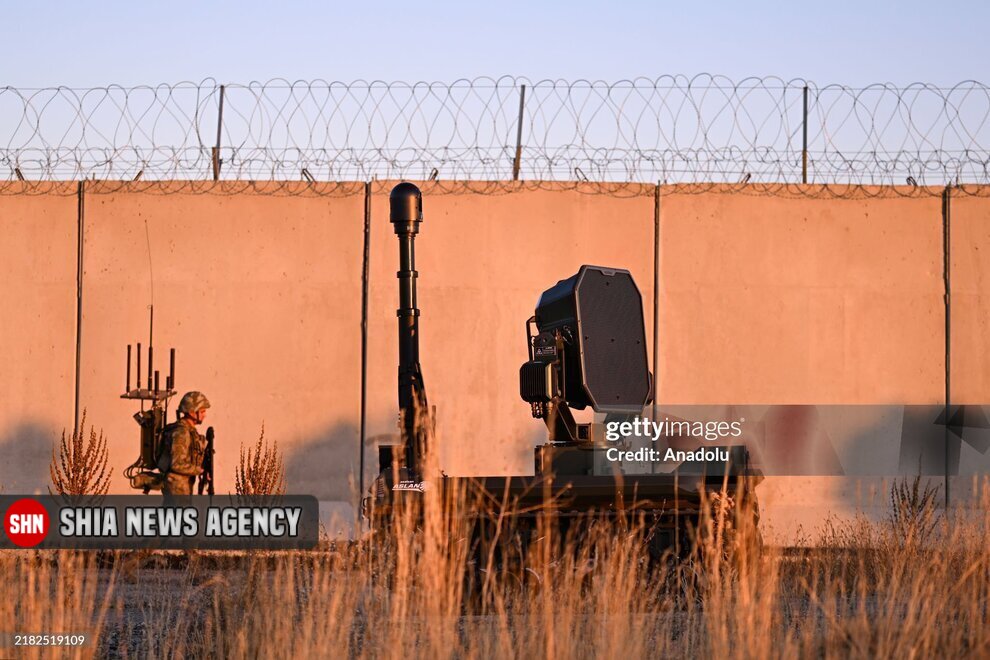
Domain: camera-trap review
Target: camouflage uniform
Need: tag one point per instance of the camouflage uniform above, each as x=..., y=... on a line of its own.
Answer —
x=181, y=458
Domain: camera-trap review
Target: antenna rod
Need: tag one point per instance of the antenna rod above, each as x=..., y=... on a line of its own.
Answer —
x=156, y=382
x=128, y=388
x=151, y=341
x=171, y=369
x=137, y=383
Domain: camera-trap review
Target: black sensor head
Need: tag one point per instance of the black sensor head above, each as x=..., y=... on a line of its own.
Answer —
x=406, y=208
x=599, y=314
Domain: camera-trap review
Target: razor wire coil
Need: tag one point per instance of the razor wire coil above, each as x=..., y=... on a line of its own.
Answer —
x=696, y=131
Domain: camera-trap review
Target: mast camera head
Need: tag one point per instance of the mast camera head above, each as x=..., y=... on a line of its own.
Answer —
x=405, y=208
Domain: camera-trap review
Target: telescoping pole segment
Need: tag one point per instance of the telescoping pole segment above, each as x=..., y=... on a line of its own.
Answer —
x=406, y=206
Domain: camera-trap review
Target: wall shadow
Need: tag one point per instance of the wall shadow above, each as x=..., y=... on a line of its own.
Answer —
x=25, y=455
x=326, y=465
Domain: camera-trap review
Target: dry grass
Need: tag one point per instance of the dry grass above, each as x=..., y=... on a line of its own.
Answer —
x=53, y=591
x=914, y=513
x=81, y=465
x=261, y=472
x=420, y=589
x=410, y=594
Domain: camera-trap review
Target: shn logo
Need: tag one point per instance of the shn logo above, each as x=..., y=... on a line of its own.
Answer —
x=26, y=523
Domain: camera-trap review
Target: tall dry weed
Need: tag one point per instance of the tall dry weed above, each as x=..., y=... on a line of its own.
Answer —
x=261, y=471
x=914, y=514
x=80, y=468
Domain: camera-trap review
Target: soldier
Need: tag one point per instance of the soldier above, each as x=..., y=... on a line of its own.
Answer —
x=183, y=448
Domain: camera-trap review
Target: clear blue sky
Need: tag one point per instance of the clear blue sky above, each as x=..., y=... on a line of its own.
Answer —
x=136, y=42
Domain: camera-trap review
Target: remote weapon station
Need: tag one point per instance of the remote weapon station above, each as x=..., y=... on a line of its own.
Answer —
x=587, y=348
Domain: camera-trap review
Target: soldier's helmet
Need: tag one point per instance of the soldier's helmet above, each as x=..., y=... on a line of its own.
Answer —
x=192, y=401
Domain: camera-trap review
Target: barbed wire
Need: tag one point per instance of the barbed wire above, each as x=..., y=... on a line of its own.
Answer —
x=692, y=132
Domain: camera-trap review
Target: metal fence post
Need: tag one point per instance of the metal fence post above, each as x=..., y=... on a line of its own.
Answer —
x=947, y=300
x=365, y=275
x=517, y=162
x=804, y=139
x=216, y=149
x=656, y=297
x=80, y=242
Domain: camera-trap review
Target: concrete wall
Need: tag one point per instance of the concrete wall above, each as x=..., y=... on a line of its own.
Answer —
x=970, y=280
x=801, y=301
x=970, y=322
x=260, y=295
x=483, y=262
x=825, y=301
x=764, y=300
x=37, y=328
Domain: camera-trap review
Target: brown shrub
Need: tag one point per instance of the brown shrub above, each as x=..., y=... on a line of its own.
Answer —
x=81, y=465
x=261, y=472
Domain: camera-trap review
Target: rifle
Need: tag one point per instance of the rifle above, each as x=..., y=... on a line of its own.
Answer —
x=206, y=479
